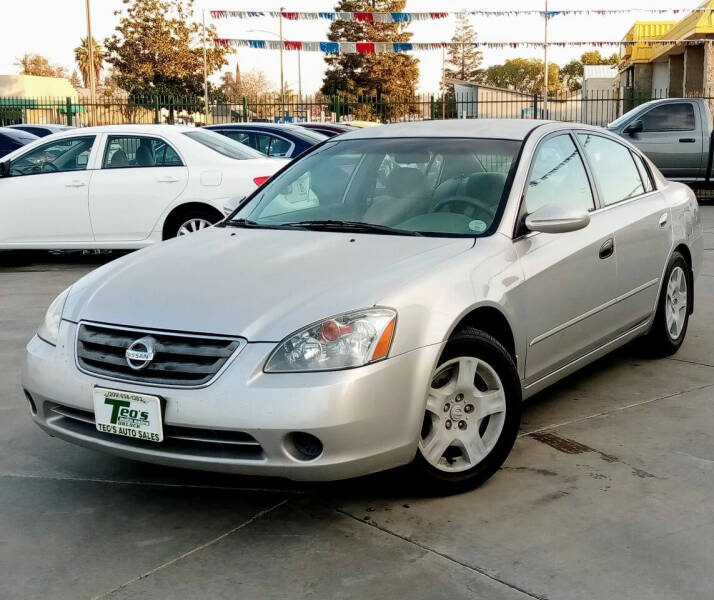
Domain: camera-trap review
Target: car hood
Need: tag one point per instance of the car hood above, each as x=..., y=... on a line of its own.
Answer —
x=261, y=284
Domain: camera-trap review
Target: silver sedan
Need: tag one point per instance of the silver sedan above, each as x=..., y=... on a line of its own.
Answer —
x=390, y=298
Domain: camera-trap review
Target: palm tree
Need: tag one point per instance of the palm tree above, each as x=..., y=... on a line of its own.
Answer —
x=81, y=55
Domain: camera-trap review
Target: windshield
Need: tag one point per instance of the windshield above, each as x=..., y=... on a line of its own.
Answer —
x=628, y=115
x=436, y=186
x=223, y=145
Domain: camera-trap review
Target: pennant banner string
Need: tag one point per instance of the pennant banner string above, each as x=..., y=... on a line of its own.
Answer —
x=392, y=47
x=405, y=17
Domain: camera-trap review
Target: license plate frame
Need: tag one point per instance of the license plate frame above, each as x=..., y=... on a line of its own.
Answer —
x=132, y=415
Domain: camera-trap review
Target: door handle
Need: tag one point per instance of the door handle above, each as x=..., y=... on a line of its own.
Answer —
x=687, y=140
x=663, y=219
x=76, y=184
x=607, y=249
x=167, y=180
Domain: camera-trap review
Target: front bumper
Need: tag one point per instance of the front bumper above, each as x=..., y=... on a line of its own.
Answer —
x=368, y=419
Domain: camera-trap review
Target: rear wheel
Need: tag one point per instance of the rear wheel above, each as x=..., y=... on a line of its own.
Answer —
x=672, y=317
x=190, y=221
x=473, y=411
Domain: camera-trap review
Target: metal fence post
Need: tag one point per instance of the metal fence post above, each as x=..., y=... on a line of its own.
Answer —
x=337, y=108
x=68, y=106
x=535, y=106
x=156, y=110
x=245, y=110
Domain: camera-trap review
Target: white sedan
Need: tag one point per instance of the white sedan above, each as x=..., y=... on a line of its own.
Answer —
x=122, y=186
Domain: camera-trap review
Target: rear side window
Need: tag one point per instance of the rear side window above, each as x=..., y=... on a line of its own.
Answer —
x=644, y=172
x=130, y=151
x=669, y=117
x=558, y=176
x=612, y=164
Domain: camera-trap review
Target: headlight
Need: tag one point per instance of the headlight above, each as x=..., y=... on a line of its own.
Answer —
x=49, y=329
x=348, y=340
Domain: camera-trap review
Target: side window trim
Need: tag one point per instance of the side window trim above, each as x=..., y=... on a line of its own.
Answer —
x=111, y=136
x=639, y=160
x=272, y=136
x=601, y=203
x=87, y=167
x=690, y=104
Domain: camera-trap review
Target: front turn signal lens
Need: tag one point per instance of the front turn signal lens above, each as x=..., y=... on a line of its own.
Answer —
x=385, y=341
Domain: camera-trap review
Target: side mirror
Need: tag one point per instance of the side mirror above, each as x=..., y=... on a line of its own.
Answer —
x=634, y=127
x=554, y=218
x=5, y=169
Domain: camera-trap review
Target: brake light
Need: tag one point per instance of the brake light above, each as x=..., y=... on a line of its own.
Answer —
x=260, y=180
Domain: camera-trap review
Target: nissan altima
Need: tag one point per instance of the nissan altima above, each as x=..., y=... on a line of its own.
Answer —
x=390, y=298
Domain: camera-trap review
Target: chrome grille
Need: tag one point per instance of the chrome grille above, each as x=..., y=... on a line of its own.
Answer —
x=219, y=443
x=180, y=360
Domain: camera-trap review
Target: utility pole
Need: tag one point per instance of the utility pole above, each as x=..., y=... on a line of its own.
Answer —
x=443, y=83
x=90, y=55
x=545, y=61
x=282, y=78
x=205, y=69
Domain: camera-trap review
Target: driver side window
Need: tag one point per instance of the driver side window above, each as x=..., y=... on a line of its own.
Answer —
x=68, y=154
x=558, y=176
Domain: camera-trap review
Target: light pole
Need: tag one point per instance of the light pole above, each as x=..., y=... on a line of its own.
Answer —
x=90, y=57
x=205, y=70
x=545, y=60
x=280, y=37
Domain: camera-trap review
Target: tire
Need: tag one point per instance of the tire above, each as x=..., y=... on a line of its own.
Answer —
x=175, y=226
x=465, y=463
x=666, y=336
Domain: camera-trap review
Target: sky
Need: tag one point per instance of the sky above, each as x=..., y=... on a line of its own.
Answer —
x=53, y=28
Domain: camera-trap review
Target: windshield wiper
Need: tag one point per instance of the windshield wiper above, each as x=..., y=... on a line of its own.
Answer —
x=247, y=223
x=356, y=226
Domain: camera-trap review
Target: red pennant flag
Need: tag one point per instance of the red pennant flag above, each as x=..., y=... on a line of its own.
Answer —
x=293, y=16
x=292, y=45
x=440, y=15
x=365, y=47
x=364, y=16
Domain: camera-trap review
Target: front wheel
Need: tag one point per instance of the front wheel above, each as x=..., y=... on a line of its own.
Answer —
x=672, y=317
x=473, y=412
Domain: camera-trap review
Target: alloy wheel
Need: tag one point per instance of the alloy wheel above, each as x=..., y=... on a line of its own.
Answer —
x=465, y=414
x=193, y=225
x=675, y=308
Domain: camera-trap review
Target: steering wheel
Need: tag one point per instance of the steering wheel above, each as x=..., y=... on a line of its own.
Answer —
x=468, y=204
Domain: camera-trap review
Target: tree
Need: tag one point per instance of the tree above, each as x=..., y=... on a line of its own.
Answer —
x=595, y=58
x=36, y=64
x=75, y=80
x=251, y=84
x=523, y=75
x=81, y=57
x=388, y=76
x=157, y=49
x=463, y=60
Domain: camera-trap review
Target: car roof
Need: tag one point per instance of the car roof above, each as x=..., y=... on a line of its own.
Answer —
x=145, y=129
x=18, y=134
x=507, y=129
x=277, y=126
x=49, y=126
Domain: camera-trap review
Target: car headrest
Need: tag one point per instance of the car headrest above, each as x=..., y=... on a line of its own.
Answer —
x=145, y=156
x=407, y=182
x=119, y=159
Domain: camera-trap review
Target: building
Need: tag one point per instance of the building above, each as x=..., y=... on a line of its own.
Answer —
x=676, y=70
x=33, y=99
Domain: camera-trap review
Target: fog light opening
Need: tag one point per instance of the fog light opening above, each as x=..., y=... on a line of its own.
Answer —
x=31, y=402
x=303, y=446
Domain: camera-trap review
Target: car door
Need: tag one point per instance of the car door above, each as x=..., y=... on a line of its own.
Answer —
x=570, y=278
x=672, y=138
x=139, y=178
x=639, y=216
x=45, y=197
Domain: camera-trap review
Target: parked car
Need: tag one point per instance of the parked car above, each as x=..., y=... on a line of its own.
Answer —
x=336, y=326
x=675, y=134
x=11, y=139
x=328, y=129
x=271, y=139
x=122, y=186
x=41, y=130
